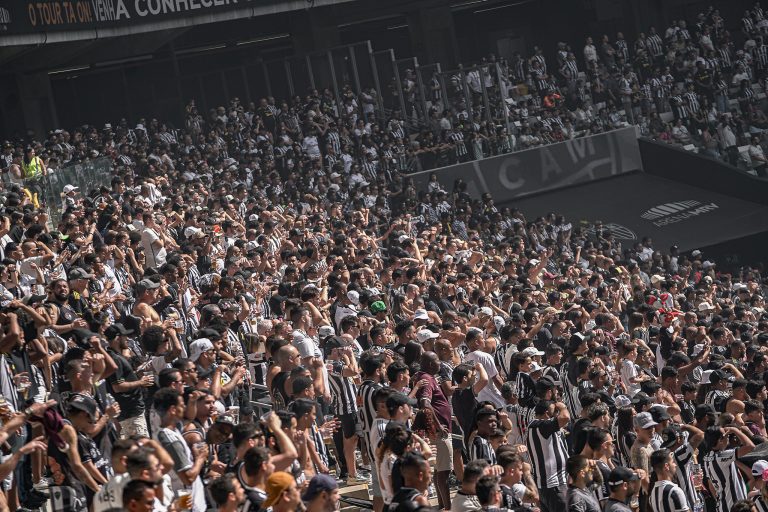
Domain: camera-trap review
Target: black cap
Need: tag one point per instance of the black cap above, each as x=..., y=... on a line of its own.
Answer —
x=621, y=474
x=659, y=413
x=395, y=400
x=83, y=403
x=719, y=375
x=333, y=342
x=544, y=384
x=115, y=330
x=650, y=387
x=703, y=410
x=669, y=436
x=640, y=399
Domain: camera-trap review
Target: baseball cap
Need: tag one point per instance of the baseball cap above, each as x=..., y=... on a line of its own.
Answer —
x=644, y=420
x=659, y=413
x=353, y=297
x=425, y=334
x=326, y=330
x=718, y=375
x=532, y=351
x=148, y=284
x=421, y=314
x=640, y=399
x=277, y=483
x=622, y=401
x=378, y=307
x=759, y=467
x=499, y=322
x=199, y=346
x=78, y=273
x=621, y=474
x=703, y=410
x=485, y=310
x=669, y=436
x=115, y=330
x=69, y=188
x=318, y=484
x=397, y=399
x=83, y=403
x=705, y=306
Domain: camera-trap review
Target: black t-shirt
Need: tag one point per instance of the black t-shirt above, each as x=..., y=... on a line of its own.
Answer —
x=543, y=338
x=89, y=451
x=464, y=402
x=579, y=435
x=404, y=500
x=131, y=402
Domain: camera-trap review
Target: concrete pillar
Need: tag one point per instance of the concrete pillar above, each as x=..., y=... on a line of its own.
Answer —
x=313, y=30
x=36, y=103
x=433, y=37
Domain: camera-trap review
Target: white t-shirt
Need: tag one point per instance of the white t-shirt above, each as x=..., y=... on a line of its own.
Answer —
x=155, y=258
x=305, y=344
x=489, y=392
x=385, y=477
x=628, y=372
x=110, y=497
x=179, y=451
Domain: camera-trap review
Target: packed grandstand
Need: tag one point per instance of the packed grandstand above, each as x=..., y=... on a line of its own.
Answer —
x=261, y=310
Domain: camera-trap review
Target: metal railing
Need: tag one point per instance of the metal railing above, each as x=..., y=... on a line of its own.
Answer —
x=87, y=175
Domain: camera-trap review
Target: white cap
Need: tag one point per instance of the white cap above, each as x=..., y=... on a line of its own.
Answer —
x=759, y=467
x=424, y=335
x=199, y=346
x=705, y=306
x=421, y=314
x=70, y=188
x=707, y=265
x=326, y=330
x=499, y=322
x=696, y=253
x=532, y=351
x=519, y=490
x=485, y=310
x=656, y=278
x=353, y=297
x=191, y=231
x=622, y=401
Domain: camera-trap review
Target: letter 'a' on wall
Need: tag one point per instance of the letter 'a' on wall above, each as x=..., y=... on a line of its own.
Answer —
x=544, y=168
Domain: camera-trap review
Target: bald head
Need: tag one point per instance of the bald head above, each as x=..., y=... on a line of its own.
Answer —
x=287, y=357
x=430, y=363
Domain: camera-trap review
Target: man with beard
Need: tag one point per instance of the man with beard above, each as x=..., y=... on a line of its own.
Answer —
x=322, y=495
x=583, y=473
x=125, y=385
x=64, y=317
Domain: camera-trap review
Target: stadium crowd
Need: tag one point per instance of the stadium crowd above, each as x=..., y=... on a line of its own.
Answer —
x=419, y=342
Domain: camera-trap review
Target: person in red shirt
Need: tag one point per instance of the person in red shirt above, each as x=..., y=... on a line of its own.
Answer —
x=436, y=407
